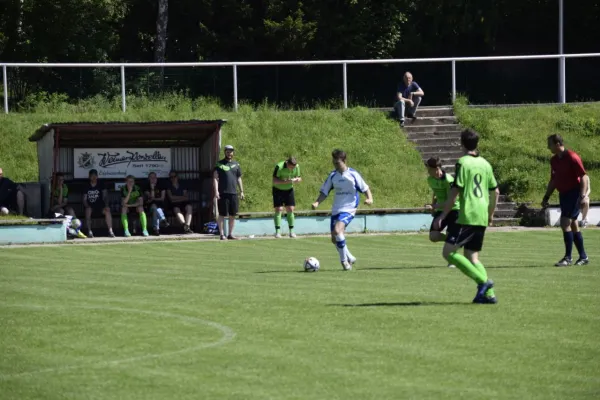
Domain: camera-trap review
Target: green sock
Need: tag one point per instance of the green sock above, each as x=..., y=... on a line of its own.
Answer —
x=481, y=269
x=466, y=267
x=143, y=221
x=291, y=218
x=125, y=222
x=277, y=220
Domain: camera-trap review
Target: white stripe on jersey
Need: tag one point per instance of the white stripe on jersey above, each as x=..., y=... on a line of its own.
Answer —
x=347, y=186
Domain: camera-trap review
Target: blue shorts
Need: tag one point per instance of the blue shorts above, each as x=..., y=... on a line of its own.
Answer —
x=570, y=203
x=344, y=217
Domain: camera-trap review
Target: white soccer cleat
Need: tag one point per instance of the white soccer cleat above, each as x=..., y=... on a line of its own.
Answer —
x=451, y=266
x=278, y=235
x=346, y=266
x=292, y=235
x=352, y=260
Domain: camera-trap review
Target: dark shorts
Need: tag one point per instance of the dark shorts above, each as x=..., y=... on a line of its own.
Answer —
x=181, y=206
x=447, y=222
x=468, y=236
x=283, y=198
x=97, y=208
x=570, y=203
x=227, y=204
x=9, y=200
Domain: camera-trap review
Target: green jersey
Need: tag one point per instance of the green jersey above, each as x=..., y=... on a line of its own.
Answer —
x=283, y=172
x=65, y=192
x=475, y=178
x=441, y=189
x=136, y=193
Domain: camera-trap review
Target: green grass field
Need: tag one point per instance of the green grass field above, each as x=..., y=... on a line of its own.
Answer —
x=514, y=141
x=232, y=320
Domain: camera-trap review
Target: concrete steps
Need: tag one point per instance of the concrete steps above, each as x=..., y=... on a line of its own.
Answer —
x=426, y=112
x=439, y=147
x=436, y=133
x=420, y=121
x=450, y=140
x=433, y=128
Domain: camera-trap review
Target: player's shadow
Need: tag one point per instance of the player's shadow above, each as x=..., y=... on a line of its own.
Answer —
x=390, y=268
x=294, y=272
x=405, y=304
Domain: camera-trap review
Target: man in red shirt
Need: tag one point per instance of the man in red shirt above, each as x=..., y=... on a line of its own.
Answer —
x=566, y=176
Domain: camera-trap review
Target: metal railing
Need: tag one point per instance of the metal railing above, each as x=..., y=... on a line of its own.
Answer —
x=344, y=63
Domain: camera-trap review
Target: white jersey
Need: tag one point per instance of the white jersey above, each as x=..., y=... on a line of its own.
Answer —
x=347, y=186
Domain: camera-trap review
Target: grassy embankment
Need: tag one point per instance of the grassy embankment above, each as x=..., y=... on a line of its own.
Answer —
x=262, y=137
x=514, y=141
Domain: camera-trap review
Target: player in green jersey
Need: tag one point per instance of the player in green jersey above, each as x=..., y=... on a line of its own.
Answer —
x=478, y=190
x=285, y=175
x=132, y=197
x=440, y=183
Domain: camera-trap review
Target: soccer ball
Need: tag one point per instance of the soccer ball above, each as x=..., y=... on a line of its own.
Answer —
x=311, y=264
x=75, y=223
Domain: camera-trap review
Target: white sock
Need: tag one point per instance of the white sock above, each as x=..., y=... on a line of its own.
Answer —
x=340, y=245
x=348, y=254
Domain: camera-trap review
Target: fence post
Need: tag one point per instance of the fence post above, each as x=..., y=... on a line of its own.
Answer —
x=123, y=99
x=5, y=85
x=345, y=74
x=453, y=81
x=235, y=88
x=562, y=85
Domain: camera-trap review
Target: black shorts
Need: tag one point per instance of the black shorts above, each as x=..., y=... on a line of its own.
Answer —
x=450, y=220
x=468, y=236
x=9, y=201
x=570, y=203
x=181, y=206
x=227, y=204
x=97, y=208
x=283, y=198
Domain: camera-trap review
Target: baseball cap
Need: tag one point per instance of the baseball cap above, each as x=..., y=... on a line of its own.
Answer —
x=229, y=147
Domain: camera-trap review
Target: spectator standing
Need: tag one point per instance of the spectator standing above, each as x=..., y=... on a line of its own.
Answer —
x=285, y=175
x=227, y=177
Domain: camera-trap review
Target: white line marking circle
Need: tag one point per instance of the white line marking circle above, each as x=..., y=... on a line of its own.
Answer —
x=228, y=335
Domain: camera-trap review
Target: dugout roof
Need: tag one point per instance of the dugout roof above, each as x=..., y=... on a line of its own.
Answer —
x=124, y=134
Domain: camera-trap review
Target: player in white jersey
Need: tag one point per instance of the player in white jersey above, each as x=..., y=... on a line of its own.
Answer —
x=347, y=184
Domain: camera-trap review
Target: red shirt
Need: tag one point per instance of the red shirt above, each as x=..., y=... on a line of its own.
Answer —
x=566, y=171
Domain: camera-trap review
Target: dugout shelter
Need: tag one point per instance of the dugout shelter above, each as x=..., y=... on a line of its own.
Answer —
x=117, y=149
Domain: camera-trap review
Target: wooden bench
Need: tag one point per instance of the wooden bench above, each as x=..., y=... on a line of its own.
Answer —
x=199, y=193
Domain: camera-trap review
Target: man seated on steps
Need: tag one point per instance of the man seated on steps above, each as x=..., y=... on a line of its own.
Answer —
x=409, y=97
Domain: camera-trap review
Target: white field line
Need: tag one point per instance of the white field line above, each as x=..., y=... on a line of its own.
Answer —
x=228, y=335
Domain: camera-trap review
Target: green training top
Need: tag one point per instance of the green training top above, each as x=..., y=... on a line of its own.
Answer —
x=136, y=193
x=65, y=192
x=475, y=178
x=283, y=172
x=441, y=189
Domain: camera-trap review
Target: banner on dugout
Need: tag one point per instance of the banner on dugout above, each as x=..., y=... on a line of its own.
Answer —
x=118, y=163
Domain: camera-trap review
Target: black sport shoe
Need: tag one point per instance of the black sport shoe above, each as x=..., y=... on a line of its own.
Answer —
x=186, y=229
x=564, y=262
x=582, y=261
x=482, y=289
